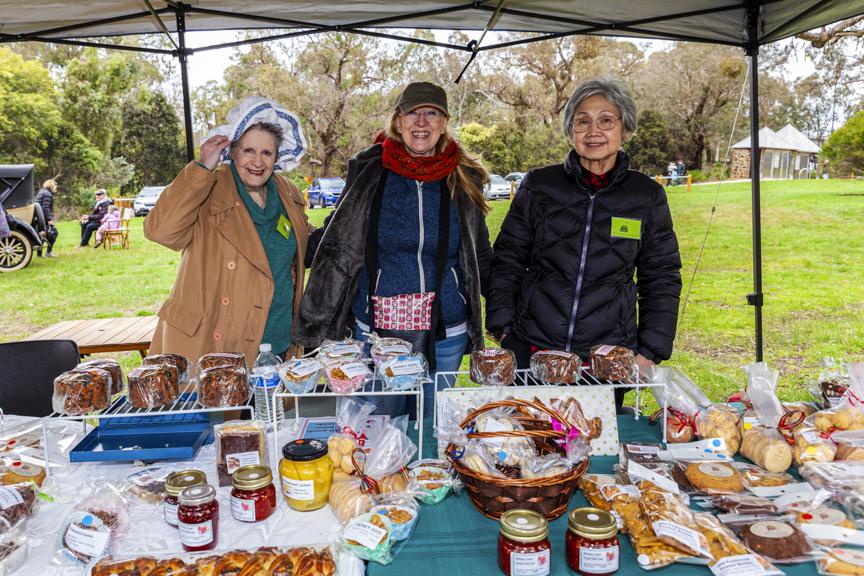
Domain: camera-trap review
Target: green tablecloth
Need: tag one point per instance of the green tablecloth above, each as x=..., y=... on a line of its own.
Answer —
x=454, y=539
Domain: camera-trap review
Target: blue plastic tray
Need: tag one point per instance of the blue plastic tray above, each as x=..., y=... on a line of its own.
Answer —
x=145, y=437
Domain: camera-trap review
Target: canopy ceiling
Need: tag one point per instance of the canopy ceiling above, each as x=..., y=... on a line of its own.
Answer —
x=716, y=21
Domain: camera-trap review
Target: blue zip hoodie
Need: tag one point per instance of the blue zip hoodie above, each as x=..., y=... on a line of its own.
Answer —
x=408, y=245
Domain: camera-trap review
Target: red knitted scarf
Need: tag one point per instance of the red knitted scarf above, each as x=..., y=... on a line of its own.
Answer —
x=423, y=168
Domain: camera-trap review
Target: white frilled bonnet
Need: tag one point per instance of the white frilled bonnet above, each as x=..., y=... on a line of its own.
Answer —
x=254, y=109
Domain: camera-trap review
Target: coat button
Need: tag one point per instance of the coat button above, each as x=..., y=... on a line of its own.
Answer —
x=217, y=336
x=231, y=265
x=226, y=301
x=236, y=203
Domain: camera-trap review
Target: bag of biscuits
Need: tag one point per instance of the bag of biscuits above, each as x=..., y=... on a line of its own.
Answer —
x=850, y=444
x=847, y=414
x=720, y=421
x=761, y=440
x=681, y=407
x=811, y=446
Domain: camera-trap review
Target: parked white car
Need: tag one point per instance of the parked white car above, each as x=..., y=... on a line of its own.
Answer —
x=498, y=188
x=146, y=199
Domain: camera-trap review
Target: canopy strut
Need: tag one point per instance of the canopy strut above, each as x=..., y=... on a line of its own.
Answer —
x=755, y=299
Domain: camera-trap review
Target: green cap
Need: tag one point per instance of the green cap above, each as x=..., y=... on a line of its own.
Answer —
x=419, y=94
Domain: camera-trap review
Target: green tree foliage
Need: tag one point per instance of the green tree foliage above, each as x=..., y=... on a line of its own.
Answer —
x=150, y=139
x=650, y=148
x=845, y=147
x=29, y=116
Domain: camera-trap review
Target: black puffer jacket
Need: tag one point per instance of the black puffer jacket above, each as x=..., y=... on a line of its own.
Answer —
x=46, y=200
x=556, y=288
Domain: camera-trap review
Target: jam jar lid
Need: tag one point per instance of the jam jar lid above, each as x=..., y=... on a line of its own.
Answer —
x=524, y=525
x=304, y=450
x=592, y=523
x=177, y=481
x=252, y=477
x=197, y=495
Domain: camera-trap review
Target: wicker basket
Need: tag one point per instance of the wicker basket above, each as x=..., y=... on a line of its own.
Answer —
x=493, y=496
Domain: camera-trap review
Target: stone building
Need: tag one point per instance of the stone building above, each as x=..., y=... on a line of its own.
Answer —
x=786, y=154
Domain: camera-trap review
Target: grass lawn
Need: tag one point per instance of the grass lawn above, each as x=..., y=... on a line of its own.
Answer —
x=813, y=280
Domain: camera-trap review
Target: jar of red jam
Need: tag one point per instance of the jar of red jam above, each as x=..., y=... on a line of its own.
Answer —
x=253, y=497
x=592, y=542
x=198, y=517
x=174, y=485
x=523, y=544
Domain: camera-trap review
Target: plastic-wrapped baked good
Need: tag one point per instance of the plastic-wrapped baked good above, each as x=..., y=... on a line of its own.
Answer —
x=778, y=541
x=223, y=386
x=639, y=452
x=79, y=392
x=387, y=347
x=844, y=417
x=827, y=515
x=755, y=476
x=431, y=480
x=18, y=472
x=401, y=510
x=153, y=386
x=178, y=360
x=493, y=367
x=767, y=448
x=238, y=443
x=556, y=366
x=92, y=528
x=672, y=521
x=300, y=376
x=612, y=363
x=339, y=448
x=346, y=376
x=347, y=499
x=148, y=484
x=214, y=359
x=841, y=561
x=713, y=477
x=590, y=485
x=118, y=381
x=17, y=503
x=341, y=350
x=811, y=446
x=13, y=555
x=403, y=372
x=369, y=537
x=720, y=421
x=744, y=504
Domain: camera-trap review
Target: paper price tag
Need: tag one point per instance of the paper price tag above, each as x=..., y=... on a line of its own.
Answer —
x=743, y=565
x=494, y=426
x=344, y=350
x=303, y=368
x=239, y=459
x=10, y=497
x=636, y=470
x=366, y=534
x=834, y=533
x=354, y=369
x=406, y=367
x=639, y=449
x=393, y=349
x=87, y=542
x=797, y=488
x=690, y=538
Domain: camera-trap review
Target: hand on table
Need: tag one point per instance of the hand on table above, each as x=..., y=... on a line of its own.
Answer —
x=211, y=149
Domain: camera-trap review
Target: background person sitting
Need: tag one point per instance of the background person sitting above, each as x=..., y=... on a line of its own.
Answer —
x=91, y=222
x=111, y=221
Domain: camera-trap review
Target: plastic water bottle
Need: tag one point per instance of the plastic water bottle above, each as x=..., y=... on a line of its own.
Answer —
x=265, y=381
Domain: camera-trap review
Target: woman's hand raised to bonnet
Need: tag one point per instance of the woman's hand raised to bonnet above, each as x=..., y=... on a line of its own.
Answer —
x=211, y=149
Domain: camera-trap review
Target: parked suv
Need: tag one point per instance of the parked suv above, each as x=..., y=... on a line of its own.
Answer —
x=146, y=199
x=325, y=191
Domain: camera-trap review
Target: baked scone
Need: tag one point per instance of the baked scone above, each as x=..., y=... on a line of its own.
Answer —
x=714, y=477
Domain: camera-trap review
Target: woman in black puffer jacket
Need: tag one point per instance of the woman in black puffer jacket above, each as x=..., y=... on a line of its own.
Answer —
x=586, y=244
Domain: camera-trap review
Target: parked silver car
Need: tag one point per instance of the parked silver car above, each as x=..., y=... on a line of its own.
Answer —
x=498, y=188
x=146, y=199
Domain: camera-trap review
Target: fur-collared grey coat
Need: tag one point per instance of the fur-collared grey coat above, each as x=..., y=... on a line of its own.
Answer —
x=339, y=251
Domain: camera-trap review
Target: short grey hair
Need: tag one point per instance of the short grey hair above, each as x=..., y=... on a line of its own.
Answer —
x=614, y=90
x=273, y=129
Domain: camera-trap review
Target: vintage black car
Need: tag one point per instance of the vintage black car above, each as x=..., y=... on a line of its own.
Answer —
x=24, y=215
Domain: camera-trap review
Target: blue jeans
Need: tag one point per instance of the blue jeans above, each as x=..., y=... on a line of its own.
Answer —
x=448, y=357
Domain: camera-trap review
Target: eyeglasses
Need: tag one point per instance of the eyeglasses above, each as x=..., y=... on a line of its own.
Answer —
x=604, y=123
x=429, y=115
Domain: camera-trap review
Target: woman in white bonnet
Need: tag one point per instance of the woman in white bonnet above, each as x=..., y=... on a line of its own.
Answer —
x=242, y=230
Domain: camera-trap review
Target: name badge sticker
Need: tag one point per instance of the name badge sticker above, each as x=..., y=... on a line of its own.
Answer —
x=630, y=228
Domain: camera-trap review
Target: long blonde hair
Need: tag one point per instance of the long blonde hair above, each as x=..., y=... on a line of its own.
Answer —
x=459, y=179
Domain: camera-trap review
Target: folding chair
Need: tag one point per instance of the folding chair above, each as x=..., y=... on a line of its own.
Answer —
x=119, y=237
x=29, y=369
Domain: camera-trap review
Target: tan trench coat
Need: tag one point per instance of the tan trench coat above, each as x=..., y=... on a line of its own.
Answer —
x=222, y=295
